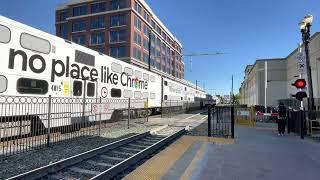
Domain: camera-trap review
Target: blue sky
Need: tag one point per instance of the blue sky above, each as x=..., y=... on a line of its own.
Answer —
x=245, y=29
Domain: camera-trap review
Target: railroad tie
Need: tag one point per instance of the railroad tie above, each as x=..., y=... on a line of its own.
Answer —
x=130, y=149
x=84, y=171
x=99, y=164
x=139, y=146
x=123, y=153
x=112, y=158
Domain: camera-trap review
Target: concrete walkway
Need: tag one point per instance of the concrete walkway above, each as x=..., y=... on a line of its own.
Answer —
x=257, y=153
x=260, y=153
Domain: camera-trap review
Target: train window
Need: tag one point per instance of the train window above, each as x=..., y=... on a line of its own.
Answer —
x=152, y=79
x=77, y=88
x=146, y=76
x=35, y=43
x=137, y=74
x=152, y=95
x=181, y=98
x=84, y=58
x=3, y=84
x=145, y=95
x=137, y=95
x=115, y=67
x=116, y=92
x=5, y=34
x=32, y=86
x=165, y=97
x=166, y=83
x=127, y=93
x=129, y=71
x=90, y=89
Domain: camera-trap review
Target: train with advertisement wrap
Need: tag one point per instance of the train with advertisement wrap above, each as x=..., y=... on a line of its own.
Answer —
x=38, y=64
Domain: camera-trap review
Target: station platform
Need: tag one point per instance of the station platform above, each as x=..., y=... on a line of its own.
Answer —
x=256, y=153
x=179, y=160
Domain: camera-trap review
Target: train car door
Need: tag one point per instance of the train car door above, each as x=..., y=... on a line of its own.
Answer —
x=84, y=95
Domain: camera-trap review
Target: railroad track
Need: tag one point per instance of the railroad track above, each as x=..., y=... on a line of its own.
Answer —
x=108, y=161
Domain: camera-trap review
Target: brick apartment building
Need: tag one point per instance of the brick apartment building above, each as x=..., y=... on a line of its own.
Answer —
x=120, y=28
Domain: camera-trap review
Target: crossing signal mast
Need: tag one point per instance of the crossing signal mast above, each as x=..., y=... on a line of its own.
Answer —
x=300, y=84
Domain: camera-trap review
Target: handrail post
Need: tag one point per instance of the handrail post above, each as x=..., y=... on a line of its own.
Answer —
x=232, y=121
x=209, y=120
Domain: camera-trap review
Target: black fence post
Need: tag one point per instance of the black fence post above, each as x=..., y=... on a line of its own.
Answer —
x=288, y=121
x=232, y=121
x=49, y=121
x=209, y=120
x=302, y=124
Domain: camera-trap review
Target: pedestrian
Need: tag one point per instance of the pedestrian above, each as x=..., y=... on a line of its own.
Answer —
x=282, y=116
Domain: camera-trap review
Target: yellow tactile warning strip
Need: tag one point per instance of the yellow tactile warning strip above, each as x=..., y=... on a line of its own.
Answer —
x=194, y=162
x=158, y=165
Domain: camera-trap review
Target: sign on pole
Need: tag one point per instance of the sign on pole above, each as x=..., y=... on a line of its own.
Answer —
x=301, y=57
x=301, y=67
x=99, y=108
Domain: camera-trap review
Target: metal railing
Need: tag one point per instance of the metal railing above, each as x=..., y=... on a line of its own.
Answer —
x=221, y=121
x=28, y=123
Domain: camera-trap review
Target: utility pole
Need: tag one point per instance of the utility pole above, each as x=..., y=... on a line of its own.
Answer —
x=265, y=85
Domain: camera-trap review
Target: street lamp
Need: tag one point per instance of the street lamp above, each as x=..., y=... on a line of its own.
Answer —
x=305, y=26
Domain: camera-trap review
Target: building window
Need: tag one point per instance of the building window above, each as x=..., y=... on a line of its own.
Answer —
x=119, y=20
x=153, y=24
x=163, y=67
x=146, y=16
x=97, y=38
x=137, y=7
x=164, y=48
x=137, y=23
x=118, y=4
x=164, y=36
x=98, y=7
x=158, y=30
x=118, y=36
x=78, y=26
x=98, y=23
x=136, y=53
x=137, y=38
x=145, y=57
x=80, y=10
x=158, y=55
x=32, y=86
x=79, y=39
x=101, y=50
x=146, y=30
x=117, y=52
x=64, y=31
x=64, y=15
x=158, y=43
x=158, y=65
x=145, y=44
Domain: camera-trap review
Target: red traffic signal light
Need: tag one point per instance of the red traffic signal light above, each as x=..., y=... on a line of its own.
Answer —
x=300, y=83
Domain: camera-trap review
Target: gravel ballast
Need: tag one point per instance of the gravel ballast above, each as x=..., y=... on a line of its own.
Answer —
x=26, y=161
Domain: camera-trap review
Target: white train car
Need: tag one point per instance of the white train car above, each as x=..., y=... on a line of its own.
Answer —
x=38, y=64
